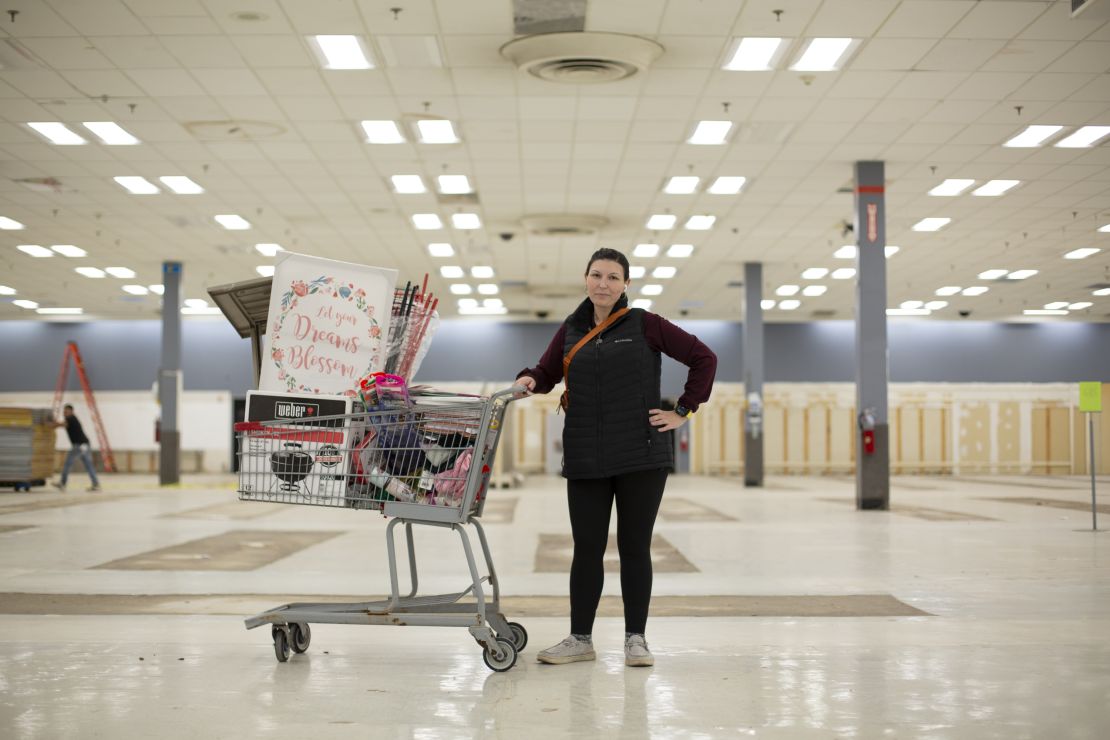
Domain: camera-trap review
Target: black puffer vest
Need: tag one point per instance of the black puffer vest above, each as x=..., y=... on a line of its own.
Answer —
x=613, y=381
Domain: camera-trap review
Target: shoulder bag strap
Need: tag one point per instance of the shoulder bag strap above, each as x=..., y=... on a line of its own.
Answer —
x=582, y=342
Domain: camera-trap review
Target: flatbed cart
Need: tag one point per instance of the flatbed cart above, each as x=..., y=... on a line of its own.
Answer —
x=425, y=461
x=22, y=485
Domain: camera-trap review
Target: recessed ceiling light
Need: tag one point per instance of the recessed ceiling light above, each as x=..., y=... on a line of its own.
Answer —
x=1033, y=136
x=680, y=251
x=948, y=290
x=111, y=133
x=6, y=290
x=454, y=184
x=700, y=223
x=468, y=303
x=843, y=273
x=120, y=272
x=268, y=249
x=461, y=289
x=645, y=250
x=635, y=272
x=135, y=289
x=664, y=272
x=1084, y=137
x=1044, y=312
x=69, y=250
x=823, y=55
x=681, y=185
x=766, y=304
x=727, y=185
x=482, y=272
x=992, y=274
x=951, y=187
x=912, y=304
x=789, y=304
x=1101, y=291
x=847, y=252
x=382, y=132
x=1104, y=229
x=652, y=289
x=975, y=290
x=488, y=288
x=1081, y=253
x=137, y=185
x=466, y=221
x=89, y=272
x=157, y=289
x=814, y=290
x=661, y=221
x=341, y=52
x=890, y=250
x=931, y=224
x=35, y=250
x=492, y=302
x=408, y=184
x=936, y=305
x=181, y=185
x=232, y=222
x=441, y=249
x=59, y=311
x=25, y=304
x=1021, y=274
x=451, y=272
x=1079, y=306
x=265, y=270
x=708, y=133
x=426, y=221
x=1056, y=305
x=995, y=187
x=754, y=54
x=57, y=133
x=436, y=131
x=814, y=273
x=644, y=303
x=908, y=312
x=195, y=302
x=787, y=290
x=9, y=224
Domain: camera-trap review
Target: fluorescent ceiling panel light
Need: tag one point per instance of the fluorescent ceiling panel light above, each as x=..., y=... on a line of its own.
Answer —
x=441, y=249
x=466, y=221
x=57, y=133
x=157, y=289
x=787, y=290
x=436, y=131
x=823, y=55
x=948, y=290
x=645, y=250
x=995, y=187
x=135, y=289
x=843, y=273
x=931, y=224
x=382, y=132
x=205, y=311
x=709, y=133
x=635, y=272
x=483, y=311
x=1081, y=253
x=661, y=221
x=664, y=272
x=232, y=222
x=137, y=185
x=1104, y=229
x=1021, y=274
x=680, y=251
x=488, y=288
x=951, y=187
x=975, y=290
x=1079, y=306
x=341, y=52
x=9, y=224
x=195, y=302
x=908, y=312
x=912, y=304
x=644, y=303
x=727, y=185
x=461, y=289
x=1101, y=291
x=890, y=251
x=1084, y=137
x=754, y=54
x=814, y=273
x=426, y=221
x=992, y=274
x=468, y=303
x=123, y=273
x=6, y=290
x=1044, y=312
x=451, y=272
x=482, y=272
x=59, y=311
x=1033, y=136
x=454, y=184
x=69, y=250
x=652, y=289
x=847, y=252
x=767, y=304
x=700, y=223
x=936, y=305
x=90, y=272
x=492, y=303
x=814, y=290
x=265, y=270
x=268, y=249
x=25, y=304
x=790, y=304
x=681, y=185
x=1056, y=305
x=181, y=185
x=408, y=184
x=111, y=133
x=35, y=250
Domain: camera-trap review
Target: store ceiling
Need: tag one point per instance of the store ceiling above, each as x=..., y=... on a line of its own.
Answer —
x=230, y=94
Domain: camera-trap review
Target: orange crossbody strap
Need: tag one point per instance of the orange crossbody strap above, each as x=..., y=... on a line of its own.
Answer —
x=582, y=342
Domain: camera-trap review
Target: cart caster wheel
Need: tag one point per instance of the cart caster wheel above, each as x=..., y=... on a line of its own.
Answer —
x=508, y=656
x=281, y=644
x=520, y=635
x=301, y=635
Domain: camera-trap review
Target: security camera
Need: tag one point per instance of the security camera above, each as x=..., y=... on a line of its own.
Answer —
x=964, y=313
x=542, y=314
x=506, y=236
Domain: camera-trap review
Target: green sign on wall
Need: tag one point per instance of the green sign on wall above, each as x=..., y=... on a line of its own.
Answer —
x=1090, y=396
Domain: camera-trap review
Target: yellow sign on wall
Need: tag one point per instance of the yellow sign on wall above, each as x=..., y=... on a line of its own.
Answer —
x=1090, y=396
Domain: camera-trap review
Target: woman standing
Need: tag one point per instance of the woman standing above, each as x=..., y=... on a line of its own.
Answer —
x=614, y=446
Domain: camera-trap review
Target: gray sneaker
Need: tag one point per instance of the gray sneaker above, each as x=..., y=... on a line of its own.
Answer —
x=570, y=650
x=636, y=652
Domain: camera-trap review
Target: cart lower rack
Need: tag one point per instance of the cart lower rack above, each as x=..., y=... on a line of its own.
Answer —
x=424, y=461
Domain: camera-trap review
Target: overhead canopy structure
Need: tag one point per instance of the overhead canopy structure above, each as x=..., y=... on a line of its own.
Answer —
x=246, y=305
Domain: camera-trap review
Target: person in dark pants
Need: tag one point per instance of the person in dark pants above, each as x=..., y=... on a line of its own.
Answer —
x=615, y=446
x=80, y=448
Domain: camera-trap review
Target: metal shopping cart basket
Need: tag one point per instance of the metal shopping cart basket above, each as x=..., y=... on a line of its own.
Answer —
x=422, y=461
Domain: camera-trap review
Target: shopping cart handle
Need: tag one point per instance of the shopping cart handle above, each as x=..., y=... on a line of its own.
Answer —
x=513, y=392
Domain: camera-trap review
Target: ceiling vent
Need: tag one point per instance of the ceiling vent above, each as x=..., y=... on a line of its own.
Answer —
x=563, y=224
x=584, y=58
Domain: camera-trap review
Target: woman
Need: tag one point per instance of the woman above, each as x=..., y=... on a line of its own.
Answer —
x=614, y=446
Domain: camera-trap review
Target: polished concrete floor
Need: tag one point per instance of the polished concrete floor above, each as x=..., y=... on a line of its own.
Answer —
x=975, y=608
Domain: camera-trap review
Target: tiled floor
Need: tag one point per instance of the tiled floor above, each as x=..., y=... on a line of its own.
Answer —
x=121, y=616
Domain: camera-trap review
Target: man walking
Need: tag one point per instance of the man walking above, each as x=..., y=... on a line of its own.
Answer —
x=80, y=448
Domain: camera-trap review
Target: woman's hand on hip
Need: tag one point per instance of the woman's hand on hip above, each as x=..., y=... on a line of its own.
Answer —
x=665, y=421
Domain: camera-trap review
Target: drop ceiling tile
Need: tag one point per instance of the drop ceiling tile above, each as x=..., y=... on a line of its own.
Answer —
x=927, y=85
x=782, y=109
x=611, y=132
x=1097, y=90
x=924, y=19
x=539, y=108
x=879, y=54
x=203, y=51
x=537, y=130
x=38, y=84
x=292, y=81
x=268, y=17
x=487, y=108
x=1051, y=87
x=102, y=17
x=166, y=84
x=1026, y=55
x=1086, y=56
x=666, y=109
x=658, y=131
x=462, y=51
x=310, y=108
x=274, y=52
x=229, y=82
x=328, y=131
x=98, y=82
x=254, y=108
x=67, y=53
x=675, y=82
x=484, y=81
x=182, y=26
x=418, y=81
x=612, y=108
x=996, y=20
x=158, y=131
x=853, y=84
x=738, y=84
x=985, y=86
x=1056, y=23
x=959, y=54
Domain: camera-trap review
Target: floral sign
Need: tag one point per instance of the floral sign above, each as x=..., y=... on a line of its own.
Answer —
x=327, y=325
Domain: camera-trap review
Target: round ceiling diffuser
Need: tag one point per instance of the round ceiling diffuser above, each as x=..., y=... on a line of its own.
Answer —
x=582, y=58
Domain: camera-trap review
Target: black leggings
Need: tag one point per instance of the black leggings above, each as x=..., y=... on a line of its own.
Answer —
x=591, y=502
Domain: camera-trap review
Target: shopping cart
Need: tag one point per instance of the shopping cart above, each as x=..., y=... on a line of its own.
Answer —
x=423, y=460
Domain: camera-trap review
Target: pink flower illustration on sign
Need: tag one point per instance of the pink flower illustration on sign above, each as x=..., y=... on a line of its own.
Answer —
x=375, y=331
x=278, y=355
x=300, y=288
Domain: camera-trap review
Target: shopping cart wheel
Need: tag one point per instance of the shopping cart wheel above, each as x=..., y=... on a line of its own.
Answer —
x=508, y=656
x=520, y=635
x=302, y=636
x=281, y=644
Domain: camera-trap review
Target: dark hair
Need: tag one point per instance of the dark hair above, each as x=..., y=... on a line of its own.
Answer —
x=609, y=254
x=68, y=406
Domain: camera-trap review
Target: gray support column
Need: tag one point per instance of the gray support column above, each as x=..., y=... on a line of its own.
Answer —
x=751, y=354
x=872, y=469
x=169, y=376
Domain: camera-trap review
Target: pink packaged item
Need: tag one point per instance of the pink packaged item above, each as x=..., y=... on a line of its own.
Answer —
x=451, y=484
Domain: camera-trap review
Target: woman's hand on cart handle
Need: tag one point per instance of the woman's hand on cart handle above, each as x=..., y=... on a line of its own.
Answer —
x=665, y=421
x=526, y=384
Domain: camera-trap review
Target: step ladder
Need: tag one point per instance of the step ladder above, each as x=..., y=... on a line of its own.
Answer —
x=63, y=378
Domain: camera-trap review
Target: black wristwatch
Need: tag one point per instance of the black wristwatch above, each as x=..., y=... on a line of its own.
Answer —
x=682, y=411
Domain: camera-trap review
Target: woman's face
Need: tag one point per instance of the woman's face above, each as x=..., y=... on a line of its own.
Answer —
x=605, y=282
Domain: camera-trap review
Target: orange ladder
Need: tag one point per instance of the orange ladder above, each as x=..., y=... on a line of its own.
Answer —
x=59, y=391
